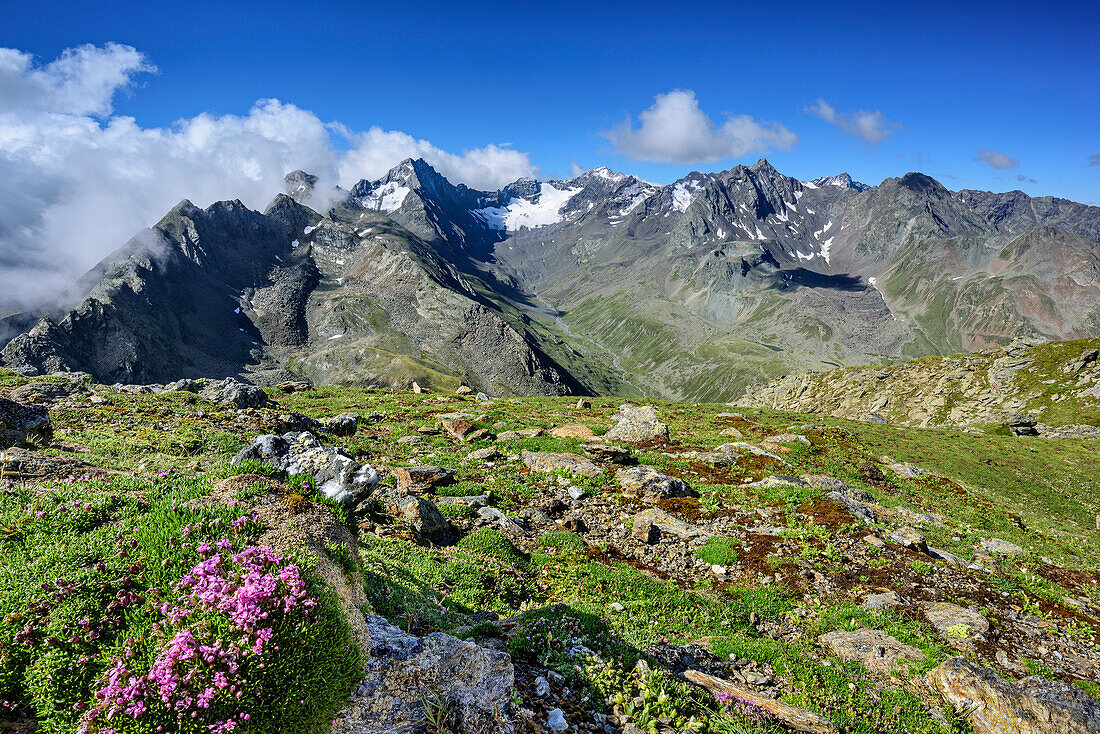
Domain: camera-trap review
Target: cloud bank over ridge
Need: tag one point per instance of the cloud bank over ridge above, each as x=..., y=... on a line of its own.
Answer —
x=77, y=181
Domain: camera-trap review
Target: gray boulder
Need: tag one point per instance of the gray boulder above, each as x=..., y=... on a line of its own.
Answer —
x=345, y=424
x=423, y=518
x=404, y=674
x=637, y=425
x=649, y=485
x=20, y=423
x=232, y=393
x=339, y=477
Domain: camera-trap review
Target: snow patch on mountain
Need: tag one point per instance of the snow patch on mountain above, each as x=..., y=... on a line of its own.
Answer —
x=683, y=194
x=539, y=212
x=387, y=198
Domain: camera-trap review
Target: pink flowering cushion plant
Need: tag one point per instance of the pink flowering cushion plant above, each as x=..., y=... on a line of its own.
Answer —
x=121, y=616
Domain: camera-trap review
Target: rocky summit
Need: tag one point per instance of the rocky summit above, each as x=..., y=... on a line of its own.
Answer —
x=600, y=284
x=210, y=555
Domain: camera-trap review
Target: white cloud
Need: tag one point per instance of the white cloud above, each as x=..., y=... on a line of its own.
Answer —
x=675, y=130
x=76, y=182
x=870, y=127
x=997, y=159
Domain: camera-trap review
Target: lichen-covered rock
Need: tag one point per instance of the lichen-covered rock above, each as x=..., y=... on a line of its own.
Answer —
x=637, y=425
x=404, y=674
x=48, y=392
x=874, y=649
x=610, y=454
x=958, y=626
x=20, y=423
x=235, y=394
x=650, y=485
x=1033, y=705
x=569, y=463
x=339, y=477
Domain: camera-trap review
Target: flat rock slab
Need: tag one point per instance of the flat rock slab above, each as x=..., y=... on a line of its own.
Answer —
x=423, y=477
x=955, y=623
x=649, y=485
x=1032, y=705
x=573, y=430
x=666, y=524
x=610, y=454
x=638, y=425
x=1001, y=547
x=737, y=449
x=887, y=600
x=874, y=649
x=546, y=462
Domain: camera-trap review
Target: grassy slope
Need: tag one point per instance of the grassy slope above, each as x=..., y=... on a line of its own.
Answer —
x=1043, y=496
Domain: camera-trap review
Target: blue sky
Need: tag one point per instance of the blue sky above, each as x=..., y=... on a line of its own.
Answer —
x=947, y=80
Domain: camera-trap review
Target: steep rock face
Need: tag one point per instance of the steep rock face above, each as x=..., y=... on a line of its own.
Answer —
x=162, y=307
x=230, y=291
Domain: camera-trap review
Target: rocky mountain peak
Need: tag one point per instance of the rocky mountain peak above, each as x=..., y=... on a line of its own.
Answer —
x=842, y=181
x=300, y=185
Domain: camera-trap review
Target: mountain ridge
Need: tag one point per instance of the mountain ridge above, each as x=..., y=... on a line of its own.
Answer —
x=599, y=283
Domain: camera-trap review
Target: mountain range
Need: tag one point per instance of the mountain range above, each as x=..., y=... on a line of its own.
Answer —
x=603, y=283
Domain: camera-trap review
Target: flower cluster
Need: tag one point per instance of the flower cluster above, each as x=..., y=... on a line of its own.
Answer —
x=743, y=707
x=198, y=676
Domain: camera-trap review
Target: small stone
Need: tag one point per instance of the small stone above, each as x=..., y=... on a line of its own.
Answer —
x=423, y=478
x=486, y=454
x=464, y=390
x=1001, y=547
x=576, y=493
x=649, y=485
x=616, y=607
x=874, y=541
x=583, y=404
x=542, y=687
x=887, y=600
x=345, y=424
x=645, y=531
x=908, y=537
x=416, y=387
x=555, y=720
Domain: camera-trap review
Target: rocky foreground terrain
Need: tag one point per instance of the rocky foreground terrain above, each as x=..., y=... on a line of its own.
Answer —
x=210, y=556
x=1029, y=387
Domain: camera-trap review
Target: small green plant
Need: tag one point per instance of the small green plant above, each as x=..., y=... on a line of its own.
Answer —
x=719, y=551
x=961, y=630
x=342, y=557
